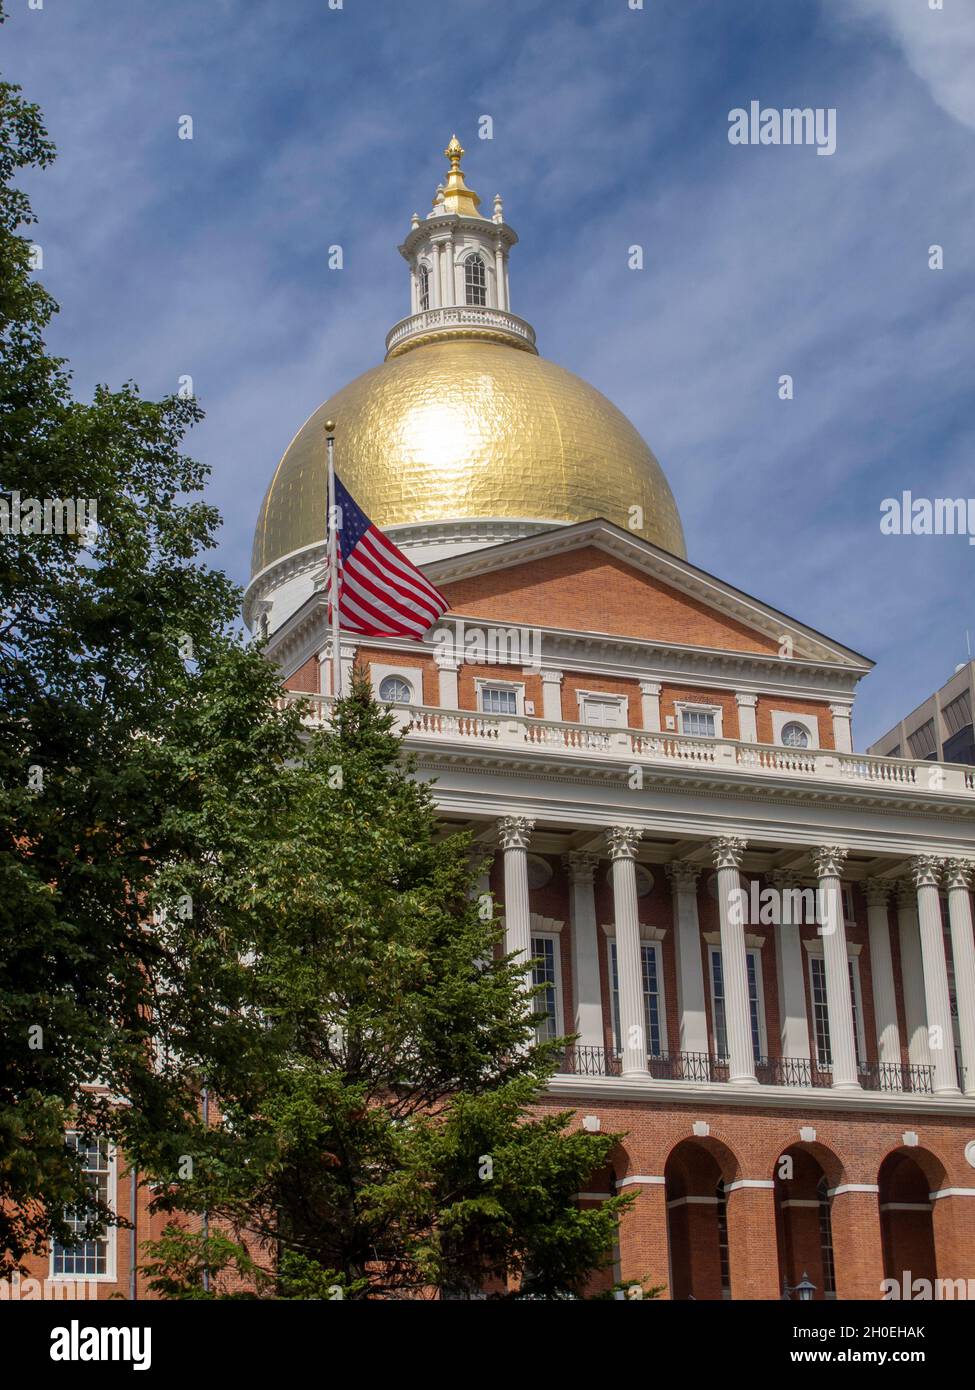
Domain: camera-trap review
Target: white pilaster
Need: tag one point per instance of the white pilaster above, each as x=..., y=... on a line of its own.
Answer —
x=912, y=976
x=650, y=705
x=829, y=861
x=514, y=836
x=747, y=725
x=728, y=852
x=790, y=971
x=926, y=872
x=587, y=1001
x=447, y=667
x=959, y=876
x=622, y=841
x=436, y=279
x=552, y=694
x=690, y=972
x=842, y=727
x=499, y=275
x=877, y=893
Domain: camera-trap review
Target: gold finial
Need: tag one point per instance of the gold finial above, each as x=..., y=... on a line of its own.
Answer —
x=329, y=426
x=457, y=196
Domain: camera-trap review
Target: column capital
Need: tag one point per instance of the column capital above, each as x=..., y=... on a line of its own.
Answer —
x=683, y=875
x=622, y=841
x=842, y=711
x=553, y=677
x=959, y=873
x=926, y=870
x=580, y=866
x=877, y=891
x=515, y=832
x=728, y=851
x=650, y=687
x=906, y=896
x=745, y=701
x=829, y=860
x=784, y=878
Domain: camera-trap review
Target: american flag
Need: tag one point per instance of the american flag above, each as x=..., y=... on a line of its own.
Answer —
x=380, y=593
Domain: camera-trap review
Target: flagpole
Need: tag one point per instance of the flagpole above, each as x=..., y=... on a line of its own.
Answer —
x=333, y=561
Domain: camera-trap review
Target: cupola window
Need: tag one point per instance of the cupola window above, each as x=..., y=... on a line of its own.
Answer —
x=424, y=287
x=475, y=279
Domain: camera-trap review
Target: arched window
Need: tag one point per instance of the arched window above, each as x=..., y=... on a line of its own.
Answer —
x=795, y=736
x=424, y=287
x=475, y=279
x=394, y=690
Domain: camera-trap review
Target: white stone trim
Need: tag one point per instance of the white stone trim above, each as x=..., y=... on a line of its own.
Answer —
x=952, y=1192
x=905, y=1206
x=749, y=1182
x=692, y=1201
x=853, y=1187
x=799, y=1202
x=636, y=1180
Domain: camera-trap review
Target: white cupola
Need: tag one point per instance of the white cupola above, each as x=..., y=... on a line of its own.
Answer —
x=458, y=262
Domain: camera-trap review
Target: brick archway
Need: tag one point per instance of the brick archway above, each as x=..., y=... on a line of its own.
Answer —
x=695, y=1175
x=804, y=1176
x=906, y=1179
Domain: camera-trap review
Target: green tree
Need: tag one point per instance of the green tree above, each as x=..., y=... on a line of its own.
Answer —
x=107, y=641
x=376, y=1104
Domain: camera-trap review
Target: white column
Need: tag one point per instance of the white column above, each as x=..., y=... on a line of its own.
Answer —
x=829, y=861
x=586, y=997
x=790, y=971
x=347, y=661
x=514, y=835
x=877, y=893
x=959, y=875
x=747, y=725
x=690, y=973
x=842, y=730
x=728, y=852
x=447, y=667
x=650, y=703
x=436, y=287
x=507, y=285
x=552, y=694
x=622, y=841
x=912, y=976
x=499, y=274
x=926, y=872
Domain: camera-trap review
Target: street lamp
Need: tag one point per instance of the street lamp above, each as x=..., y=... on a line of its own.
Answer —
x=805, y=1289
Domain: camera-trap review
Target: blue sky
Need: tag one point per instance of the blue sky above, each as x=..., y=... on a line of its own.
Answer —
x=314, y=126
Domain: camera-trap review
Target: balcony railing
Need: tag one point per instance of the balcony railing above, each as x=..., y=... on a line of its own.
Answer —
x=471, y=729
x=769, y=1071
x=476, y=318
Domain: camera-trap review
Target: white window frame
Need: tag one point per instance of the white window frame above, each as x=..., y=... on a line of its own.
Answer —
x=753, y=952
x=656, y=943
x=809, y=722
x=559, y=1010
x=853, y=957
x=481, y=683
x=110, y=1239
x=620, y=701
x=413, y=675
x=698, y=707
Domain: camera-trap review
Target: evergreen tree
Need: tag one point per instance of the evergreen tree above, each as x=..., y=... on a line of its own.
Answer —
x=376, y=1118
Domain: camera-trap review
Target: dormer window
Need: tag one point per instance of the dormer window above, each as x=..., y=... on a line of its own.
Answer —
x=424, y=278
x=475, y=279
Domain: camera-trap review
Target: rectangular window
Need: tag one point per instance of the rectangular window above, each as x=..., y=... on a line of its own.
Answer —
x=498, y=699
x=698, y=721
x=544, y=972
x=652, y=997
x=817, y=973
x=90, y=1257
x=755, y=1011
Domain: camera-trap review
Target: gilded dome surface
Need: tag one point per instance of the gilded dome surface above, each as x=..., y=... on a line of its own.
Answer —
x=459, y=429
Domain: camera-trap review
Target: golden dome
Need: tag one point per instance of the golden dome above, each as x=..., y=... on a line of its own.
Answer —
x=458, y=429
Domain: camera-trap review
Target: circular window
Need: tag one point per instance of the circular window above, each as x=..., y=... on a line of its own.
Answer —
x=644, y=880
x=539, y=871
x=970, y=1152
x=795, y=736
x=394, y=690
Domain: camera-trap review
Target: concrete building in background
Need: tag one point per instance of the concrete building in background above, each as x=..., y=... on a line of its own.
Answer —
x=939, y=730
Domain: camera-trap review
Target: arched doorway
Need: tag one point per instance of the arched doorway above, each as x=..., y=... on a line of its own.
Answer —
x=803, y=1218
x=697, y=1222
x=906, y=1179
